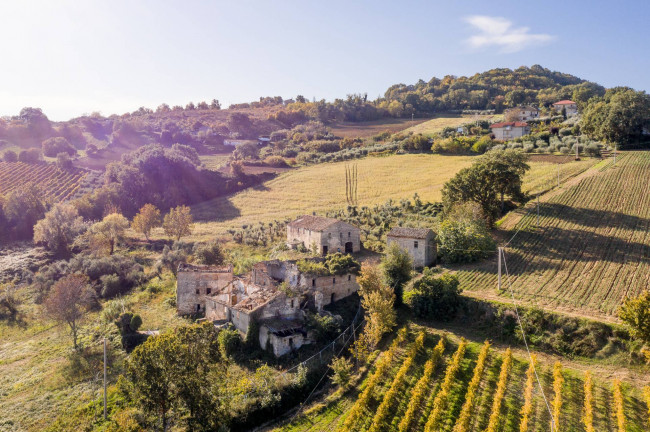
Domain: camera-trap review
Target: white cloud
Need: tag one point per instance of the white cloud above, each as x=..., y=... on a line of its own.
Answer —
x=499, y=32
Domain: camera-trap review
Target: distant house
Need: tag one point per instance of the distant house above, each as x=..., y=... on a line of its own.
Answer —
x=418, y=242
x=329, y=235
x=509, y=130
x=570, y=107
x=263, y=140
x=522, y=113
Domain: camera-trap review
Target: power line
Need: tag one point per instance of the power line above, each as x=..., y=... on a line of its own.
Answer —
x=523, y=335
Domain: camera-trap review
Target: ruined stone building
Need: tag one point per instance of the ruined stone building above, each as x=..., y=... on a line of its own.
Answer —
x=329, y=235
x=275, y=296
x=193, y=282
x=420, y=243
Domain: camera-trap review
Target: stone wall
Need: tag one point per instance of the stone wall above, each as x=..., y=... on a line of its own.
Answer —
x=423, y=255
x=193, y=282
x=326, y=289
x=333, y=237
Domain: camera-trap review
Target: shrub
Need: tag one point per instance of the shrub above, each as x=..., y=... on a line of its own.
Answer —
x=110, y=285
x=275, y=161
x=341, y=371
x=592, y=150
x=63, y=161
x=229, y=342
x=208, y=254
x=434, y=297
x=10, y=156
x=32, y=155
x=53, y=146
x=325, y=327
x=464, y=241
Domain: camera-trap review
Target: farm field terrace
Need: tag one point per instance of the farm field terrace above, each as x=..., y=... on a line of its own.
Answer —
x=55, y=184
x=320, y=188
x=370, y=128
x=592, y=248
x=354, y=412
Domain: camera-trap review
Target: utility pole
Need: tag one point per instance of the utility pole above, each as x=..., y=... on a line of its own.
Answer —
x=104, y=378
x=558, y=175
x=577, y=149
x=500, y=252
x=615, y=154
x=537, y=211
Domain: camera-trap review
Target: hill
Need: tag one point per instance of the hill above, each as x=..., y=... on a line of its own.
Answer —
x=333, y=415
x=592, y=247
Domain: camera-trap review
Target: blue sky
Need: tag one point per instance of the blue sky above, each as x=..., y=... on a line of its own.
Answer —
x=71, y=58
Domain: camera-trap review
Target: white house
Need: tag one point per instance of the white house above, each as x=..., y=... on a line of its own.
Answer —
x=522, y=113
x=570, y=107
x=506, y=131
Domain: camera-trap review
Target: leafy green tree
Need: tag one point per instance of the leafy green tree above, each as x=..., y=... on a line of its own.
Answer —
x=178, y=222
x=22, y=208
x=464, y=240
x=635, y=313
x=146, y=220
x=621, y=116
x=171, y=258
x=176, y=374
x=108, y=233
x=435, y=297
x=208, y=254
x=486, y=182
x=341, y=371
x=397, y=266
x=10, y=156
x=68, y=301
x=59, y=228
x=378, y=300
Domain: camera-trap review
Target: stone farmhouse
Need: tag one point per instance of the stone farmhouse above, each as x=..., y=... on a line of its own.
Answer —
x=420, y=243
x=505, y=131
x=275, y=295
x=570, y=107
x=329, y=235
x=522, y=113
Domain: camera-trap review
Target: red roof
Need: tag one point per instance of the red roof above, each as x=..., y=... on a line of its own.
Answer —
x=564, y=102
x=504, y=124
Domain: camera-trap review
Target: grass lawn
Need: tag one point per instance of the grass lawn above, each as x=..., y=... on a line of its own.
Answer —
x=214, y=161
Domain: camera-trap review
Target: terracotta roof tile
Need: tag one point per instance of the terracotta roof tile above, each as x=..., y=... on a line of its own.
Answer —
x=504, y=124
x=315, y=223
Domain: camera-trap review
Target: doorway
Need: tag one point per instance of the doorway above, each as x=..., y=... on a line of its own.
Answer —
x=349, y=248
x=325, y=249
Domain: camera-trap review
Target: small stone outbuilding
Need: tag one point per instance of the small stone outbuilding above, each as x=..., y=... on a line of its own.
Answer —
x=506, y=131
x=420, y=243
x=327, y=234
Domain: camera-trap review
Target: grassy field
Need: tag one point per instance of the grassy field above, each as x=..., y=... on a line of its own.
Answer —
x=370, y=128
x=331, y=414
x=215, y=161
x=437, y=124
x=322, y=187
x=40, y=377
x=592, y=247
x=543, y=176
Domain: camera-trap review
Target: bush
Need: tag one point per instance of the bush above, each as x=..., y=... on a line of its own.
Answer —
x=229, y=342
x=110, y=285
x=63, y=161
x=434, y=297
x=325, y=327
x=464, y=240
x=10, y=156
x=275, y=161
x=208, y=254
x=342, y=371
x=32, y=155
x=56, y=145
x=593, y=150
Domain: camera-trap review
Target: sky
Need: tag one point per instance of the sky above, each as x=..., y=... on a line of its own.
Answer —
x=71, y=57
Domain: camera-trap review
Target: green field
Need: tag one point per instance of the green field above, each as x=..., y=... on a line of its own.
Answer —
x=331, y=414
x=592, y=247
x=215, y=161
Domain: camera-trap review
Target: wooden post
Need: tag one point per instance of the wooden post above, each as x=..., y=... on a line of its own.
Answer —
x=500, y=251
x=104, y=378
x=558, y=175
x=537, y=211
